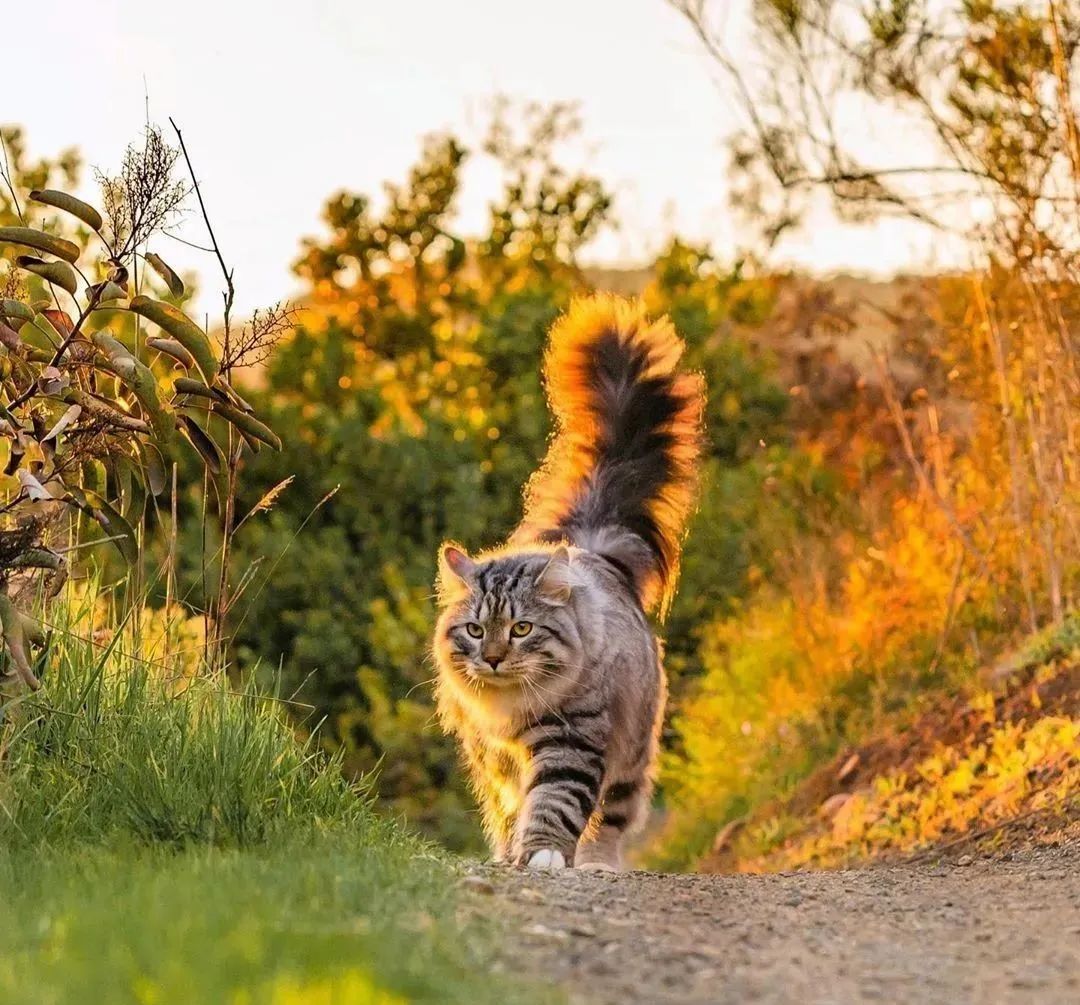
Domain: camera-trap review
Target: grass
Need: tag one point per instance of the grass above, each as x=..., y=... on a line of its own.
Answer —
x=165, y=837
x=333, y=917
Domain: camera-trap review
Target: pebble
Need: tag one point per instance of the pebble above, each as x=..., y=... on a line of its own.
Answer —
x=965, y=860
x=586, y=931
x=543, y=932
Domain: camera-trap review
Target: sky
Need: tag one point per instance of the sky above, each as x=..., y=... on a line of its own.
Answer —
x=284, y=103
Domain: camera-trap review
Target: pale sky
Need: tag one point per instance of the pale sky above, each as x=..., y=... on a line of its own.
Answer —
x=283, y=103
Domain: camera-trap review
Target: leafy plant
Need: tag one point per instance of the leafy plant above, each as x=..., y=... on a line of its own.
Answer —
x=93, y=413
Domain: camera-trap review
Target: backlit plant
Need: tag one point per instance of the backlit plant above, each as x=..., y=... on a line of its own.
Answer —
x=105, y=381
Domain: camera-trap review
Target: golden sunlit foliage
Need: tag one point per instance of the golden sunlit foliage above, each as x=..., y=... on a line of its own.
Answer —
x=953, y=435
x=964, y=768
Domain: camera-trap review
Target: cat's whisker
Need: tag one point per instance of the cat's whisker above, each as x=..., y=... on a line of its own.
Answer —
x=423, y=683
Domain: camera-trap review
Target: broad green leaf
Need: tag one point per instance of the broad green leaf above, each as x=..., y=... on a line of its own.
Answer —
x=93, y=475
x=40, y=241
x=44, y=325
x=201, y=441
x=114, y=525
x=132, y=492
x=142, y=381
x=172, y=280
x=183, y=329
x=53, y=272
x=106, y=292
x=16, y=309
x=65, y=420
x=69, y=204
x=113, y=348
x=154, y=467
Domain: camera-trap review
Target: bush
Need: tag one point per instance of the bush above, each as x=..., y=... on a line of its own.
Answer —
x=92, y=417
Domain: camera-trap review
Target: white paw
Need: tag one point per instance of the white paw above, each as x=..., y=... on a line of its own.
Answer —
x=546, y=858
x=598, y=867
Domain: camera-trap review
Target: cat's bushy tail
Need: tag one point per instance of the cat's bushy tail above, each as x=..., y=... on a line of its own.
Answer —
x=620, y=476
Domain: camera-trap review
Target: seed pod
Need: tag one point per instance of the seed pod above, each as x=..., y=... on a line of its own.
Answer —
x=181, y=328
x=40, y=241
x=185, y=385
x=69, y=204
x=172, y=348
x=248, y=424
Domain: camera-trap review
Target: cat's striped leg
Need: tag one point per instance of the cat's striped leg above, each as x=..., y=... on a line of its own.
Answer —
x=622, y=807
x=562, y=785
x=492, y=774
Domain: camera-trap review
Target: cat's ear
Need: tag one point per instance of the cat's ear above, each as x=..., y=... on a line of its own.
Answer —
x=555, y=582
x=456, y=570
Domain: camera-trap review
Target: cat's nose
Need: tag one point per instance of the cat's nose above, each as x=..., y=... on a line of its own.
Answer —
x=493, y=662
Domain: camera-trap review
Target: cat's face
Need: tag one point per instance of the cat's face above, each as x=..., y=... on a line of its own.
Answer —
x=506, y=621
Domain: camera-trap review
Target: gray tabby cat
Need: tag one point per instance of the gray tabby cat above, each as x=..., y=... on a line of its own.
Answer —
x=549, y=672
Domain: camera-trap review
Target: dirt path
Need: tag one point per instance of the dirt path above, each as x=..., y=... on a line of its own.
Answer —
x=989, y=931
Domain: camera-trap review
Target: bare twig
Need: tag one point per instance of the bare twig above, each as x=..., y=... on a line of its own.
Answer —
x=229, y=295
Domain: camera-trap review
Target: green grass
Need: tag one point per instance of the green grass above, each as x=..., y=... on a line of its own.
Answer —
x=167, y=838
x=352, y=913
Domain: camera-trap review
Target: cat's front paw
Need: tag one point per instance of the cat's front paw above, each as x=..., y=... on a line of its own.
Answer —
x=546, y=858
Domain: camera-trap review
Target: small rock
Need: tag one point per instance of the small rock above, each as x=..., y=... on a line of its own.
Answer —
x=586, y=931
x=543, y=932
x=527, y=893
x=477, y=884
x=965, y=860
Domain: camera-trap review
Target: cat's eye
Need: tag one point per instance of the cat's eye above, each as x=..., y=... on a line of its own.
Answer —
x=520, y=629
x=474, y=630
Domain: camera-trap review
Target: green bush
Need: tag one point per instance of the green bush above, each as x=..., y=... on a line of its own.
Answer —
x=419, y=415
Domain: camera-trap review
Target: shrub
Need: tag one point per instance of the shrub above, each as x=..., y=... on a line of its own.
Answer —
x=91, y=417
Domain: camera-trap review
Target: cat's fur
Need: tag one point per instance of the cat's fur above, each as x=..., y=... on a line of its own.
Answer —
x=559, y=722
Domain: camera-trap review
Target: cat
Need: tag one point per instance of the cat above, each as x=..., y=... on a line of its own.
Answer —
x=549, y=673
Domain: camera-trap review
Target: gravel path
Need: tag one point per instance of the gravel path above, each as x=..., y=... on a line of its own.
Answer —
x=987, y=930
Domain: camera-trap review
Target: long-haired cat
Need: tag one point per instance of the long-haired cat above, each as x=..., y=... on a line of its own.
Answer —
x=549, y=672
